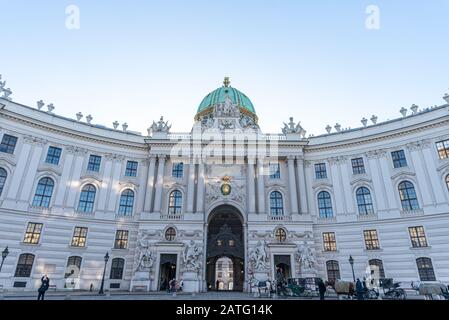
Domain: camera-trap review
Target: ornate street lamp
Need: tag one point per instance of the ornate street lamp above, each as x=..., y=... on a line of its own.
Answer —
x=106, y=259
x=4, y=255
x=351, y=262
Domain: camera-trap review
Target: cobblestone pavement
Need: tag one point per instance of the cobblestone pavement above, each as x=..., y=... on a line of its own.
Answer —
x=160, y=296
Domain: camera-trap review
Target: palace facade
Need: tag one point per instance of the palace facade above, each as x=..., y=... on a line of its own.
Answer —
x=223, y=205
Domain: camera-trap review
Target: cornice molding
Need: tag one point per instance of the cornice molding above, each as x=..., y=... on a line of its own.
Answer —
x=75, y=135
x=383, y=137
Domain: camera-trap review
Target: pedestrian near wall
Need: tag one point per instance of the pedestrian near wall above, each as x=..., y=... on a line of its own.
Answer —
x=45, y=284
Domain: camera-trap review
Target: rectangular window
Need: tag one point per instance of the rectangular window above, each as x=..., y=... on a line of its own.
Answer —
x=443, y=149
x=131, y=169
x=121, y=239
x=94, y=163
x=418, y=237
x=33, y=233
x=371, y=240
x=330, y=243
x=320, y=171
x=8, y=144
x=358, y=167
x=275, y=171
x=178, y=170
x=399, y=159
x=53, y=155
x=79, y=237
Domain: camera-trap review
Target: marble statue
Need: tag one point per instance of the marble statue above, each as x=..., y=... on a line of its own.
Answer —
x=259, y=257
x=160, y=126
x=292, y=128
x=146, y=257
x=306, y=257
x=191, y=256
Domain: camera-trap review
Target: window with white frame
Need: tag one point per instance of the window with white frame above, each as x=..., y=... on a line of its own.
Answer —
x=407, y=194
x=44, y=191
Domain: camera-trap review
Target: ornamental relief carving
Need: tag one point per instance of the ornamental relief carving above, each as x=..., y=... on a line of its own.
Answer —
x=418, y=145
x=35, y=141
x=214, y=192
x=337, y=160
x=114, y=157
x=376, y=154
x=77, y=151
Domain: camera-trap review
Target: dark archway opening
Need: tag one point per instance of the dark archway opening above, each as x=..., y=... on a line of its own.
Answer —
x=225, y=250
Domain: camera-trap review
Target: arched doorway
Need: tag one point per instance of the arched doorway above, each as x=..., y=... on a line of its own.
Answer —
x=225, y=250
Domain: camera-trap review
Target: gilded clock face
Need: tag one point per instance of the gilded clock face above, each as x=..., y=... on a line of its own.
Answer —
x=226, y=189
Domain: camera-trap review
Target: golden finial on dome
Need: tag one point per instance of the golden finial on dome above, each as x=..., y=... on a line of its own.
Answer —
x=226, y=82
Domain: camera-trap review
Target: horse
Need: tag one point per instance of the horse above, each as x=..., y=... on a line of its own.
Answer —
x=342, y=287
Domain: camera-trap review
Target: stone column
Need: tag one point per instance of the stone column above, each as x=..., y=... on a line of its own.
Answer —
x=200, y=188
x=260, y=186
x=191, y=187
x=159, y=183
x=302, y=186
x=150, y=184
x=250, y=181
x=292, y=185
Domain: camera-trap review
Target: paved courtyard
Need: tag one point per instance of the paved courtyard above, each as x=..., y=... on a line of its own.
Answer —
x=411, y=295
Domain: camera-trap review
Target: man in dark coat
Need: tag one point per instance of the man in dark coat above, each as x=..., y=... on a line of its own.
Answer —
x=359, y=290
x=321, y=288
x=45, y=284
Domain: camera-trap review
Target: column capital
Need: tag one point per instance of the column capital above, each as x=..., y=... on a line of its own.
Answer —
x=161, y=156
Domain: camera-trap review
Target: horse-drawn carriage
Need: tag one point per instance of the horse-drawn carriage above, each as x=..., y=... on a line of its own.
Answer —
x=348, y=289
x=392, y=290
x=300, y=287
x=431, y=290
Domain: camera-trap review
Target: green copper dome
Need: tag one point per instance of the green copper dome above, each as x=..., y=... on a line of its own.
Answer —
x=219, y=95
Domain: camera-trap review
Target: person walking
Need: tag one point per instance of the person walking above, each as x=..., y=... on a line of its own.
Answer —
x=321, y=288
x=173, y=286
x=359, y=290
x=279, y=281
x=45, y=284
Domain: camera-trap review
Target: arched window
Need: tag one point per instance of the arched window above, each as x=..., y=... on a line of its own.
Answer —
x=407, y=195
x=425, y=269
x=73, y=267
x=333, y=270
x=364, y=201
x=447, y=182
x=280, y=235
x=3, y=175
x=126, y=203
x=170, y=234
x=87, y=199
x=276, y=204
x=175, y=203
x=24, y=265
x=43, y=194
x=117, y=266
x=325, y=205
x=377, y=268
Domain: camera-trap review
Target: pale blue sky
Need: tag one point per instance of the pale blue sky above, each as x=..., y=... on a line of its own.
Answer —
x=136, y=60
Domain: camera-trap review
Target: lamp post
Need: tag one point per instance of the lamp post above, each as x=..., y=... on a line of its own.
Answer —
x=106, y=258
x=351, y=262
x=4, y=255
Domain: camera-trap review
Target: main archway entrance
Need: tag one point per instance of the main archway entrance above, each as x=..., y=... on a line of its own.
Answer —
x=225, y=250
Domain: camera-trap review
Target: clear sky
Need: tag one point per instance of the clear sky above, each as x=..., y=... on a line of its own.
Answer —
x=133, y=61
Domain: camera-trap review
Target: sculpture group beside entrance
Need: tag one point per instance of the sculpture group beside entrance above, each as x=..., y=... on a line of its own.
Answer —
x=191, y=257
x=306, y=258
x=259, y=257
